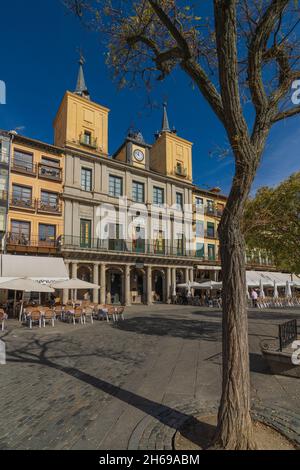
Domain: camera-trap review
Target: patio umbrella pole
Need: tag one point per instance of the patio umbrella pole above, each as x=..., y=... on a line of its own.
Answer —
x=21, y=308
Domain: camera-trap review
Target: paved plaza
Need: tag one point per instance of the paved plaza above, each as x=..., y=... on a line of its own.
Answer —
x=92, y=386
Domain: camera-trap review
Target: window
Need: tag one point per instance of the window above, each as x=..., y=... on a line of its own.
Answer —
x=210, y=206
x=47, y=233
x=21, y=195
x=199, y=204
x=115, y=237
x=210, y=229
x=23, y=160
x=158, y=195
x=200, y=250
x=138, y=242
x=3, y=180
x=4, y=147
x=199, y=228
x=2, y=219
x=220, y=209
x=138, y=191
x=50, y=162
x=49, y=199
x=85, y=233
x=211, y=252
x=20, y=232
x=179, y=201
x=86, y=179
x=87, y=137
x=179, y=245
x=159, y=243
x=115, y=186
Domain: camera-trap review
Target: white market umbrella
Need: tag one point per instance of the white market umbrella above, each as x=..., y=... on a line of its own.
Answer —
x=210, y=285
x=261, y=290
x=25, y=285
x=74, y=284
x=275, y=293
x=191, y=284
x=288, y=290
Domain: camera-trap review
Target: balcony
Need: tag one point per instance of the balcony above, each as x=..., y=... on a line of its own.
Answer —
x=213, y=211
x=26, y=168
x=46, y=207
x=180, y=171
x=27, y=204
x=50, y=172
x=212, y=235
x=91, y=143
x=22, y=243
x=142, y=248
x=198, y=209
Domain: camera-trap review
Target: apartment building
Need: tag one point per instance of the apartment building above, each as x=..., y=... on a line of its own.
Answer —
x=35, y=206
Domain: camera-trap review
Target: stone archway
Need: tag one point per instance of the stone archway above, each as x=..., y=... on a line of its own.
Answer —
x=158, y=285
x=84, y=272
x=114, y=285
x=138, y=286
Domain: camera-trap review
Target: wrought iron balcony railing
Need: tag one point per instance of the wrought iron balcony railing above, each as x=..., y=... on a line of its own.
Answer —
x=22, y=240
x=210, y=234
x=138, y=247
x=49, y=207
x=22, y=203
x=180, y=171
x=213, y=211
x=88, y=142
x=49, y=172
x=19, y=166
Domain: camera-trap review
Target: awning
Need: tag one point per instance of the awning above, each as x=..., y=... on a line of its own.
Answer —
x=37, y=268
x=267, y=279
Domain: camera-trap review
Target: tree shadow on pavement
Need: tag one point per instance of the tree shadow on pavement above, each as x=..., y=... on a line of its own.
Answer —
x=159, y=326
x=36, y=353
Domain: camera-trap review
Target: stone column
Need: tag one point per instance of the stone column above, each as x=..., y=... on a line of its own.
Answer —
x=103, y=283
x=127, y=285
x=149, y=285
x=192, y=274
x=74, y=276
x=186, y=275
x=173, y=282
x=168, y=286
x=96, y=281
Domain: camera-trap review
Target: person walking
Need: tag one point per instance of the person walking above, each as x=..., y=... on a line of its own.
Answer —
x=254, y=297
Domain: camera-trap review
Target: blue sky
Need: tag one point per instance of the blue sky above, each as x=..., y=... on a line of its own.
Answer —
x=39, y=62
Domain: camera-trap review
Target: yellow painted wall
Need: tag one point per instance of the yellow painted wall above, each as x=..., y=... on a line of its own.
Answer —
x=77, y=114
x=37, y=184
x=167, y=151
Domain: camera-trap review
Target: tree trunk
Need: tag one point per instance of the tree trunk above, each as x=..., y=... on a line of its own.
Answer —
x=234, y=430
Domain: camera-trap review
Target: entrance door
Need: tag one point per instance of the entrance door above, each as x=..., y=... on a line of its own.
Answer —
x=158, y=287
x=116, y=288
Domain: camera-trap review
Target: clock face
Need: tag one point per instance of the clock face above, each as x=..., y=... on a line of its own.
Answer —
x=138, y=155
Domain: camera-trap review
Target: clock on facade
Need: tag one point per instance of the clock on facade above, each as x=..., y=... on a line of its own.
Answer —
x=138, y=155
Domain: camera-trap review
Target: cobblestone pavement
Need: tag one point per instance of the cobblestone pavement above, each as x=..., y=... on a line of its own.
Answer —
x=99, y=386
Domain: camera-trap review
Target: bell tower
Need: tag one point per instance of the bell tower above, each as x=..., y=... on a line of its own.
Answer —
x=171, y=155
x=80, y=123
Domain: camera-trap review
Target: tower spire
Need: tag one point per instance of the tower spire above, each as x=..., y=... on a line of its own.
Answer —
x=165, y=122
x=81, y=88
